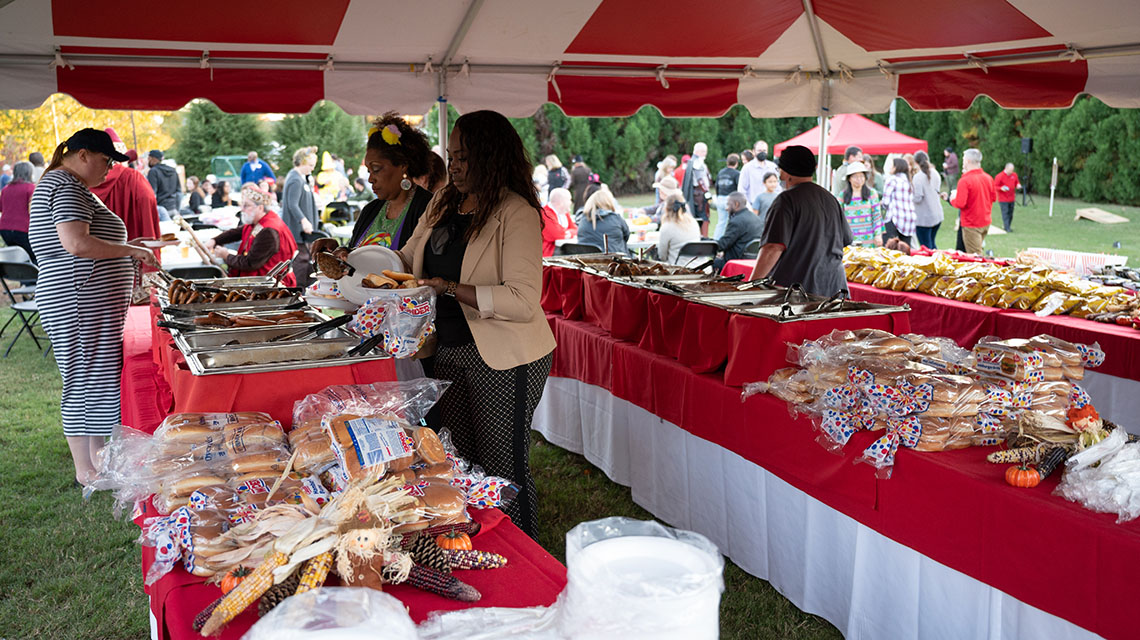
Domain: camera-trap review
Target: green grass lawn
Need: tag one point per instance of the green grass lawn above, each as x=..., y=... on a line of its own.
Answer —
x=1032, y=227
x=70, y=571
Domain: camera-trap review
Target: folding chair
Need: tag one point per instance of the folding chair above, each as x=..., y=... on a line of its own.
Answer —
x=24, y=310
x=574, y=249
x=752, y=251
x=694, y=251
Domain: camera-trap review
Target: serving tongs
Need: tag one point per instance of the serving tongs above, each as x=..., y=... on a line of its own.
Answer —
x=367, y=345
x=279, y=271
x=752, y=284
x=315, y=330
x=832, y=304
x=667, y=285
x=786, y=310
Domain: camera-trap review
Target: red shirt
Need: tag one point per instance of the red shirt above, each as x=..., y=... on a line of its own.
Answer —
x=1010, y=180
x=976, y=195
x=286, y=247
x=127, y=193
x=14, y=201
x=553, y=230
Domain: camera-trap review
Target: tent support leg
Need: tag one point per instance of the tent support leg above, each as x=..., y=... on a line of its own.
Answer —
x=441, y=106
x=823, y=168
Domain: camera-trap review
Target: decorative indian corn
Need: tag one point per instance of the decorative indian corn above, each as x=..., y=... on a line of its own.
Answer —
x=440, y=583
x=316, y=570
x=465, y=559
x=245, y=593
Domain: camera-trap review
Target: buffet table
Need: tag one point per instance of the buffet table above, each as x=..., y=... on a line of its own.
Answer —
x=1114, y=386
x=942, y=549
x=531, y=578
x=170, y=387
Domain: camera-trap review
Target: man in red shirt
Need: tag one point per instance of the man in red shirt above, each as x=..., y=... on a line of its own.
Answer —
x=1007, y=183
x=975, y=199
x=554, y=214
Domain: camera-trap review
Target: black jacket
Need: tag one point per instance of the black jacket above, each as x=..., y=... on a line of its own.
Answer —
x=420, y=200
x=164, y=180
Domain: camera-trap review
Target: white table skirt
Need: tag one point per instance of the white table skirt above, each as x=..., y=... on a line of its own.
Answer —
x=825, y=562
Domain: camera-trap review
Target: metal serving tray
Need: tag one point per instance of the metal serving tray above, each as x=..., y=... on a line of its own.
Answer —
x=239, y=282
x=210, y=340
x=801, y=312
x=235, y=306
x=284, y=356
x=312, y=316
x=750, y=298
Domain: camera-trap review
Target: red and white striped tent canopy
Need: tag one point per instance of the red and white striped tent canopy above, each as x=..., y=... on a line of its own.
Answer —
x=590, y=57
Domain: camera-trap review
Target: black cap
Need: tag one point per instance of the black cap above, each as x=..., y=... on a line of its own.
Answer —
x=576, y=159
x=94, y=140
x=155, y=153
x=798, y=161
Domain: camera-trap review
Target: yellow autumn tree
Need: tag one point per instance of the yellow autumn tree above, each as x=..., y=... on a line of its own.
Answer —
x=23, y=131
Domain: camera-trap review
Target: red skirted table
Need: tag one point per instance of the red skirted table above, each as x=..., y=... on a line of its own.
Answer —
x=167, y=385
x=953, y=507
x=531, y=578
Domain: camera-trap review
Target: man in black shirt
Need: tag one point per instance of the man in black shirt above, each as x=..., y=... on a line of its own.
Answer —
x=805, y=232
x=726, y=182
x=742, y=228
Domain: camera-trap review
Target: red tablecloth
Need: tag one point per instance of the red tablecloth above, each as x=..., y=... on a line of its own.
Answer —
x=179, y=390
x=531, y=578
x=951, y=506
x=738, y=267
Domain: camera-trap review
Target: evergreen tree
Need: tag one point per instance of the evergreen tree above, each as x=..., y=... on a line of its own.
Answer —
x=207, y=131
x=327, y=127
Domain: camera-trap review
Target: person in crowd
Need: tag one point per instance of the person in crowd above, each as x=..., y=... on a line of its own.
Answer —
x=679, y=172
x=361, y=190
x=15, y=201
x=755, y=168
x=338, y=165
x=128, y=194
x=665, y=168
x=396, y=155
x=436, y=177
x=557, y=177
x=678, y=228
x=332, y=184
x=84, y=288
x=164, y=181
x=839, y=176
x=743, y=228
x=950, y=168
x=696, y=186
x=805, y=234
x=6, y=175
x=862, y=207
x=299, y=209
x=579, y=181
x=593, y=184
x=600, y=224
x=254, y=169
x=911, y=167
x=133, y=163
x=540, y=177
x=197, y=195
x=927, y=204
x=975, y=200
x=223, y=195
x=898, y=202
x=270, y=186
x=265, y=240
x=37, y=160
x=763, y=201
x=557, y=221
x=1007, y=184
x=480, y=247
x=666, y=187
x=877, y=179
x=726, y=182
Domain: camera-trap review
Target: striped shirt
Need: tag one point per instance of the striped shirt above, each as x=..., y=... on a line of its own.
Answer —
x=898, y=202
x=865, y=217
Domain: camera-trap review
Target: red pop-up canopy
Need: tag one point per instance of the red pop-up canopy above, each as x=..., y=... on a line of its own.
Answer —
x=853, y=130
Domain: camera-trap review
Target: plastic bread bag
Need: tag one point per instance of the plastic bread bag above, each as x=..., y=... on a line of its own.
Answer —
x=405, y=318
x=903, y=432
x=638, y=578
x=123, y=469
x=1014, y=359
x=789, y=384
x=185, y=427
x=950, y=396
x=336, y=613
x=1071, y=355
x=409, y=400
x=942, y=434
x=966, y=289
x=169, y=535
x=1105, y=477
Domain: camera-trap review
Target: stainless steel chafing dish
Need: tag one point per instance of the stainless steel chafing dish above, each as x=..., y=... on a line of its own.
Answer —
x=793, y=304
x=239, y=336
x=237, y=306
x=237, y=282
x=278, y=356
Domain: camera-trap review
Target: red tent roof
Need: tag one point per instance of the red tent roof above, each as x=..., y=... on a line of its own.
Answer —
x=853, y=130
x=589, y=57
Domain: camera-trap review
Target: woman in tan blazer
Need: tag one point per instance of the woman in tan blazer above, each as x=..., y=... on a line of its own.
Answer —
x=479, y=245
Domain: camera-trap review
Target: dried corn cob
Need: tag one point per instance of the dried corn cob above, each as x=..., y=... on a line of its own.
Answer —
x=1031, y=454
x=464, y=559
x=204, y=615
x=470, y=528
x=1055, y=457
x=316, y=570
x=442, y=584
x=245, y=593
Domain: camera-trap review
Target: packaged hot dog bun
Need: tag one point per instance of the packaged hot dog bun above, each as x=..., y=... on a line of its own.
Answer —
x=185, y=485
x=244, y=438
x=441, y=500
x=214, y=419
x=398, y=276
x=429, y=447
x=270, y=461
x=189, y=434
x=314, y=455
x=439, y=470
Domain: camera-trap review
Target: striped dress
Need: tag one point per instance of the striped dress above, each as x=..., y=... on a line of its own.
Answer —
x=82, y=302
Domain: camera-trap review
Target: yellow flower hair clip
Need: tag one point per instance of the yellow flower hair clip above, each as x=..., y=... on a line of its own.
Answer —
x=391, y=134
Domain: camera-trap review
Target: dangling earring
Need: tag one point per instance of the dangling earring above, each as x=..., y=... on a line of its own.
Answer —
x=405, y=184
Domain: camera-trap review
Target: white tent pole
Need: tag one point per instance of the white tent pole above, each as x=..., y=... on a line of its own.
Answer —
x=823, y=169
x=441, y=105
x=1052, y=186
x=452, y=49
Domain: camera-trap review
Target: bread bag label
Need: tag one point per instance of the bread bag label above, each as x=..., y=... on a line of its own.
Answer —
x=375, y=441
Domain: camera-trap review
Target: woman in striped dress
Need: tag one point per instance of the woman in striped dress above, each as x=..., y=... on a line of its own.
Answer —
x=84, y=288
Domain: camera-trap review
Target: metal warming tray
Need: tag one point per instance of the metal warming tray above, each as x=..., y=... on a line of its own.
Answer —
x=235, y=306
x=239, y=282
x=312, y=316
x=228, y=338
x=818, y=311
x=284, y=356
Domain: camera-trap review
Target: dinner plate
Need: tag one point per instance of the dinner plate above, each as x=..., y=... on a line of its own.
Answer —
x=366, y=260
x=155, y=244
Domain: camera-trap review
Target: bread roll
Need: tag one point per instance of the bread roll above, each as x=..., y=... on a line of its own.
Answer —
x=885, y=346
x=266, y=461
x=441, y=470
x=345, y=446
x=314, y=455
x=246, y=438
x=429, y=447
x=185, y=485
x=1073, y=372
x=189, y=434
x=951, y=409
x=441, y=500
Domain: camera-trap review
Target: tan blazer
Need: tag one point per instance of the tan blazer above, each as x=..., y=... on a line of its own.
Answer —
x=504, y=264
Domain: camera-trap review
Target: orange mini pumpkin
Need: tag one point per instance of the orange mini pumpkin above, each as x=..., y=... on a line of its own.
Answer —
x=454, y=540
x=1022, y=476
x=234, y=578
